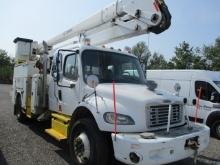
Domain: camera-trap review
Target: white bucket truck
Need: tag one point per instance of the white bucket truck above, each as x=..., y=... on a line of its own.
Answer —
x=189, y=83
x=93, y=102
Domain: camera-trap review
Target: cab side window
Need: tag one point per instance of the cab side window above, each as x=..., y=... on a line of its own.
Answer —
x=70, y=70
x=208, y=92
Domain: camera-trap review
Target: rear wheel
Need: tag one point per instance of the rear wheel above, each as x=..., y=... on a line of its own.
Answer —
x=216, y=129
x=18, y=110
x=88, y=146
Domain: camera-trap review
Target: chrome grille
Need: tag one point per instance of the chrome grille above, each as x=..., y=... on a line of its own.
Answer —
x=158, y=115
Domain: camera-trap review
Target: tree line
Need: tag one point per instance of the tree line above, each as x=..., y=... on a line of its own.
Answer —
x=6, y=68
x=185, y=57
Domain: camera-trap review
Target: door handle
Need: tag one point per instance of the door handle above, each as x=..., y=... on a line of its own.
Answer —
x=72, y=85
x=60, y=95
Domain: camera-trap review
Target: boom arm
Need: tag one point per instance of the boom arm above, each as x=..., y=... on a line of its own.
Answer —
x=121, y=20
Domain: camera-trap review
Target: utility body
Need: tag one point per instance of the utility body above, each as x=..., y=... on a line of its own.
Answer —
x=98, y=98
x=190, y=82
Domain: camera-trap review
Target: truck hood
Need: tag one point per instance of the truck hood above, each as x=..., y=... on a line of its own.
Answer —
x=133, y=100
x=136, y=93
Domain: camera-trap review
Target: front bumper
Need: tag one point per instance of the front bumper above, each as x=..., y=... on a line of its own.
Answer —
x=165, y=148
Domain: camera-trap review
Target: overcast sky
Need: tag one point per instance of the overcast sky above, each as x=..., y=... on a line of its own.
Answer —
x=194, y=21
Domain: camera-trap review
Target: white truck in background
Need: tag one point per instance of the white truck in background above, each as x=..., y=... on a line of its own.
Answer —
x=92, y=100
x=189, y=82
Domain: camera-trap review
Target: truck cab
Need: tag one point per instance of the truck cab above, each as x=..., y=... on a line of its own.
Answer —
x=135, y=121
x=69, y=90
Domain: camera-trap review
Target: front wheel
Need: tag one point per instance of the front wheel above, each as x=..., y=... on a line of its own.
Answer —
x=88, y=145
x=216, y=129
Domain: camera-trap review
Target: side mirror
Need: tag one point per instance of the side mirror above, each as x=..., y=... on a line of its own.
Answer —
x=59, y=67
x=92, y=81
x=54, y=74
x=152, y=85
x=214, y=96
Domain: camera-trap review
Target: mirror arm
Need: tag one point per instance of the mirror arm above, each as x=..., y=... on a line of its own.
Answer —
x=88, y=95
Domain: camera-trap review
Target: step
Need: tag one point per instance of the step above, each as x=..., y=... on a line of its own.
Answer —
x=59, y=126
x=58, y=136
x=29, y=116
x=61, y=117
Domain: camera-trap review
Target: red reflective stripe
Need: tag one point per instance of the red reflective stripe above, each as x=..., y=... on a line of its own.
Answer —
x=197, y=104
x=156, y=6
x=115, y=111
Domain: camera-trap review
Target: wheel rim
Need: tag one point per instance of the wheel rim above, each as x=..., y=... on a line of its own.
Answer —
x=82, y=148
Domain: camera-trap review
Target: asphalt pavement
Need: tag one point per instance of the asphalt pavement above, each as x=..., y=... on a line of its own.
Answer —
x=28, y=144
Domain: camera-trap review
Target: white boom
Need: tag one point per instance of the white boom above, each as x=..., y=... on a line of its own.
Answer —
x=120, y=20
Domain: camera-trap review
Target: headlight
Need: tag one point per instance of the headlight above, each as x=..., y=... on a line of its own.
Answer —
x=121, y=119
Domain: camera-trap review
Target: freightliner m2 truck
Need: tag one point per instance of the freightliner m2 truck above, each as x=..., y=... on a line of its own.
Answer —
x=98, y=99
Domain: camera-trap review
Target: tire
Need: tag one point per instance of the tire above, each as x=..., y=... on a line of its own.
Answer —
x=18, y=110
x=216, y=129
x=88, y=145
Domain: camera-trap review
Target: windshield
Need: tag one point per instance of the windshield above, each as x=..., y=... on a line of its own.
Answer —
x=109, y=66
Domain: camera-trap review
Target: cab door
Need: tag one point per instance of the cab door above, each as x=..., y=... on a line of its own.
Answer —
x=64, y=84
x=206, y=100
x=53, y=88
x=69, y=86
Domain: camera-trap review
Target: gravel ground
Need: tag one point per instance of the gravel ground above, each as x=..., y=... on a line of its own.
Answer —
x=27, y=144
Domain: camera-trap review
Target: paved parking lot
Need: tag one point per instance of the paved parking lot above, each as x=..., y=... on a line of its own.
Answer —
x=27, y=144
